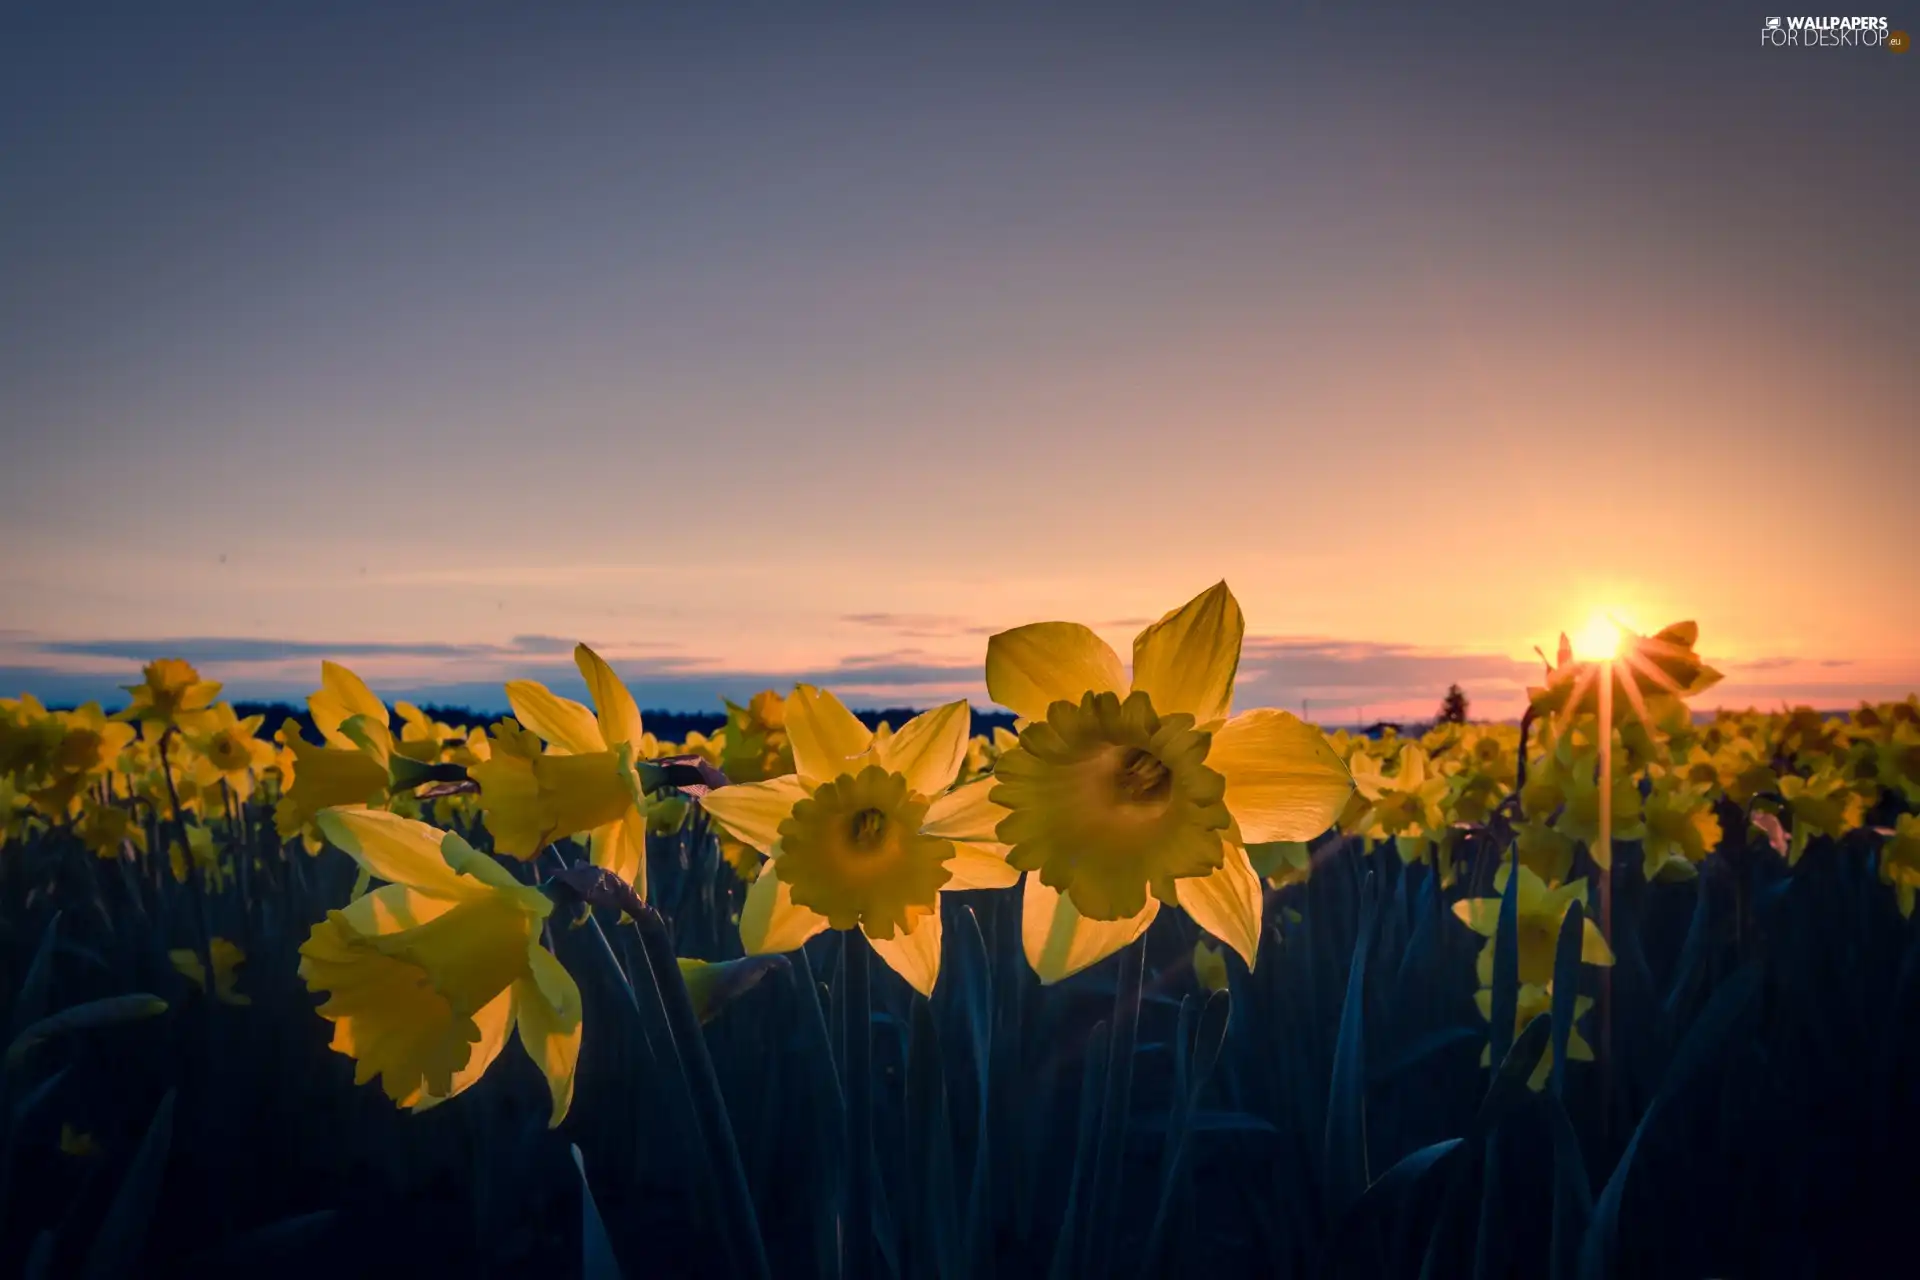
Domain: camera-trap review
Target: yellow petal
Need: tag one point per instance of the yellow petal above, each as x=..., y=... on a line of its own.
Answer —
x=771, y=920
x=1284, y=782
x=391, y=908
x=825, y=735
x=965, y=813
x=979, y=865
x=494, y=1021
x=930, y=748
x=1060, y=942
x=1186, y=661
x=547, y=1009
x=1593, y=945
x=753, y=811
x=398, y=850
x=563, y=722
x=1226, y=903
x=1482, y=915
x=621, y=847
x=342, y=696
x=914, y=956
x=619, y=717
x=1032, y=667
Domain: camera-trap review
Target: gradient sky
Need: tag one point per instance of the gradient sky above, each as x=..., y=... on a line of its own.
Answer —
x=751, y=344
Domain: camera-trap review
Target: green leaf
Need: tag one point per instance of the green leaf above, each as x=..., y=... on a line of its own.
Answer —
x=31, y=1002
x=596, y=1251
x=1566, y=990
x=109, y=1012
x=1344, y=1155
x=116, y=1247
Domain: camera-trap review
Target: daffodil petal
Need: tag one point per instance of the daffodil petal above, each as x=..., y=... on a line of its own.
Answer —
x=546, y=1006
x=1593, y=945
x=398, y=850
x=930, y=748
x=771, y=921
x=619, y=716
x=914, y=956
x=1032, y=667
x=391, y=908
x=342, y=696
x=825, y=735
x=564, y=723
x=980, y=865
x=1226, y=903
x=965, y=813
x=1060, y=942
x=1482, y=915
x=494, y=1021
x=621, y=847
x=1284, y=782
x=1186, y=661
x=752, y=812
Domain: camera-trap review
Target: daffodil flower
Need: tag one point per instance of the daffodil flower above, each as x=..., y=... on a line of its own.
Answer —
x=1900, y=860
x=227, y=747
x=1126, y=795
x=1540, y=911
x=864, y=834
x=1648, y=671
x=169, y=687
x=227, y=958
x=1535, y=1001
x=583, y=783
x=427, y=975
x=1681, y=829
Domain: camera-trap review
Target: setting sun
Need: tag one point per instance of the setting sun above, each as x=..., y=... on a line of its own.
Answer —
x=1601, y=638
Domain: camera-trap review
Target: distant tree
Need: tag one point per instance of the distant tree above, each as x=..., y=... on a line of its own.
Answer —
x=1453, y=707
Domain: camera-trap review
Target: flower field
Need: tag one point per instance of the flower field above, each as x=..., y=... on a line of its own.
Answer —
x=1149, y=985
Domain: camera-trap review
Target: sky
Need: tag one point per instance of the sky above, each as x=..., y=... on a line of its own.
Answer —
x=762, y=343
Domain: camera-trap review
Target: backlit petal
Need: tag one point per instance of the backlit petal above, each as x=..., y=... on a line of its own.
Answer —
x=619, y=717
x=342, y=696
x=981, y=865
x=914, y=956
x=1032, y=667
x=753, y=811
x=1284, y=782
x=621, y=847
x=564, y=723
x=825, y=735
x=398, y=850
x=771, y=921
x=930, y=748
x=1060, y=942
x=965, y=813
x=1226, y=903
x=547, y=1008
x=494, y=1021
x=1186, y=661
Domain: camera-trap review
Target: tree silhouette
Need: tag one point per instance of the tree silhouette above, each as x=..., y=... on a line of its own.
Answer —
x=1453, y=708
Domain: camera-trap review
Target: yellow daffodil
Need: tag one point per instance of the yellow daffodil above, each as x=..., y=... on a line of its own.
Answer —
x=1681, y=829
x=582, y=784
x=75, y=1143
x=169, y=687
x=227, y=959
x=86, y=747
x=227, y=747
x=1540, y=912
x=427, y=975
x=1535, y=1001
x=1822, y=805
x=1648, y=670
x=325, y=778
x=755, y=745
x=1405, y=806
x=1210, y=966
x=864, y=834
x=1124, y=795
x=109, y=830
x=1900, y=860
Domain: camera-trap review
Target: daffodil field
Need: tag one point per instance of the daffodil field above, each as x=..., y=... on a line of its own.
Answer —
x=1143, y=986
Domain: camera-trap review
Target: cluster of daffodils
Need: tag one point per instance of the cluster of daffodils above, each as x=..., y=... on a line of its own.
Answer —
x=1123, y=790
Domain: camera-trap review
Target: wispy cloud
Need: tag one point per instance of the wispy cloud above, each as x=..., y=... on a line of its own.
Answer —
x=930, y=626
x=247, y=649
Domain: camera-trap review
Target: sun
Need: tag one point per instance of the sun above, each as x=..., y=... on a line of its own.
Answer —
x=1602, y=637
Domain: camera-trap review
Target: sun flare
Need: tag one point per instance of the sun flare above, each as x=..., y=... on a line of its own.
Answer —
x=1602, y=636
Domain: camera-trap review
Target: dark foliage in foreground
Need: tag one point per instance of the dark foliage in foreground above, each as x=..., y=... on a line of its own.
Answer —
x=1329, y=1116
